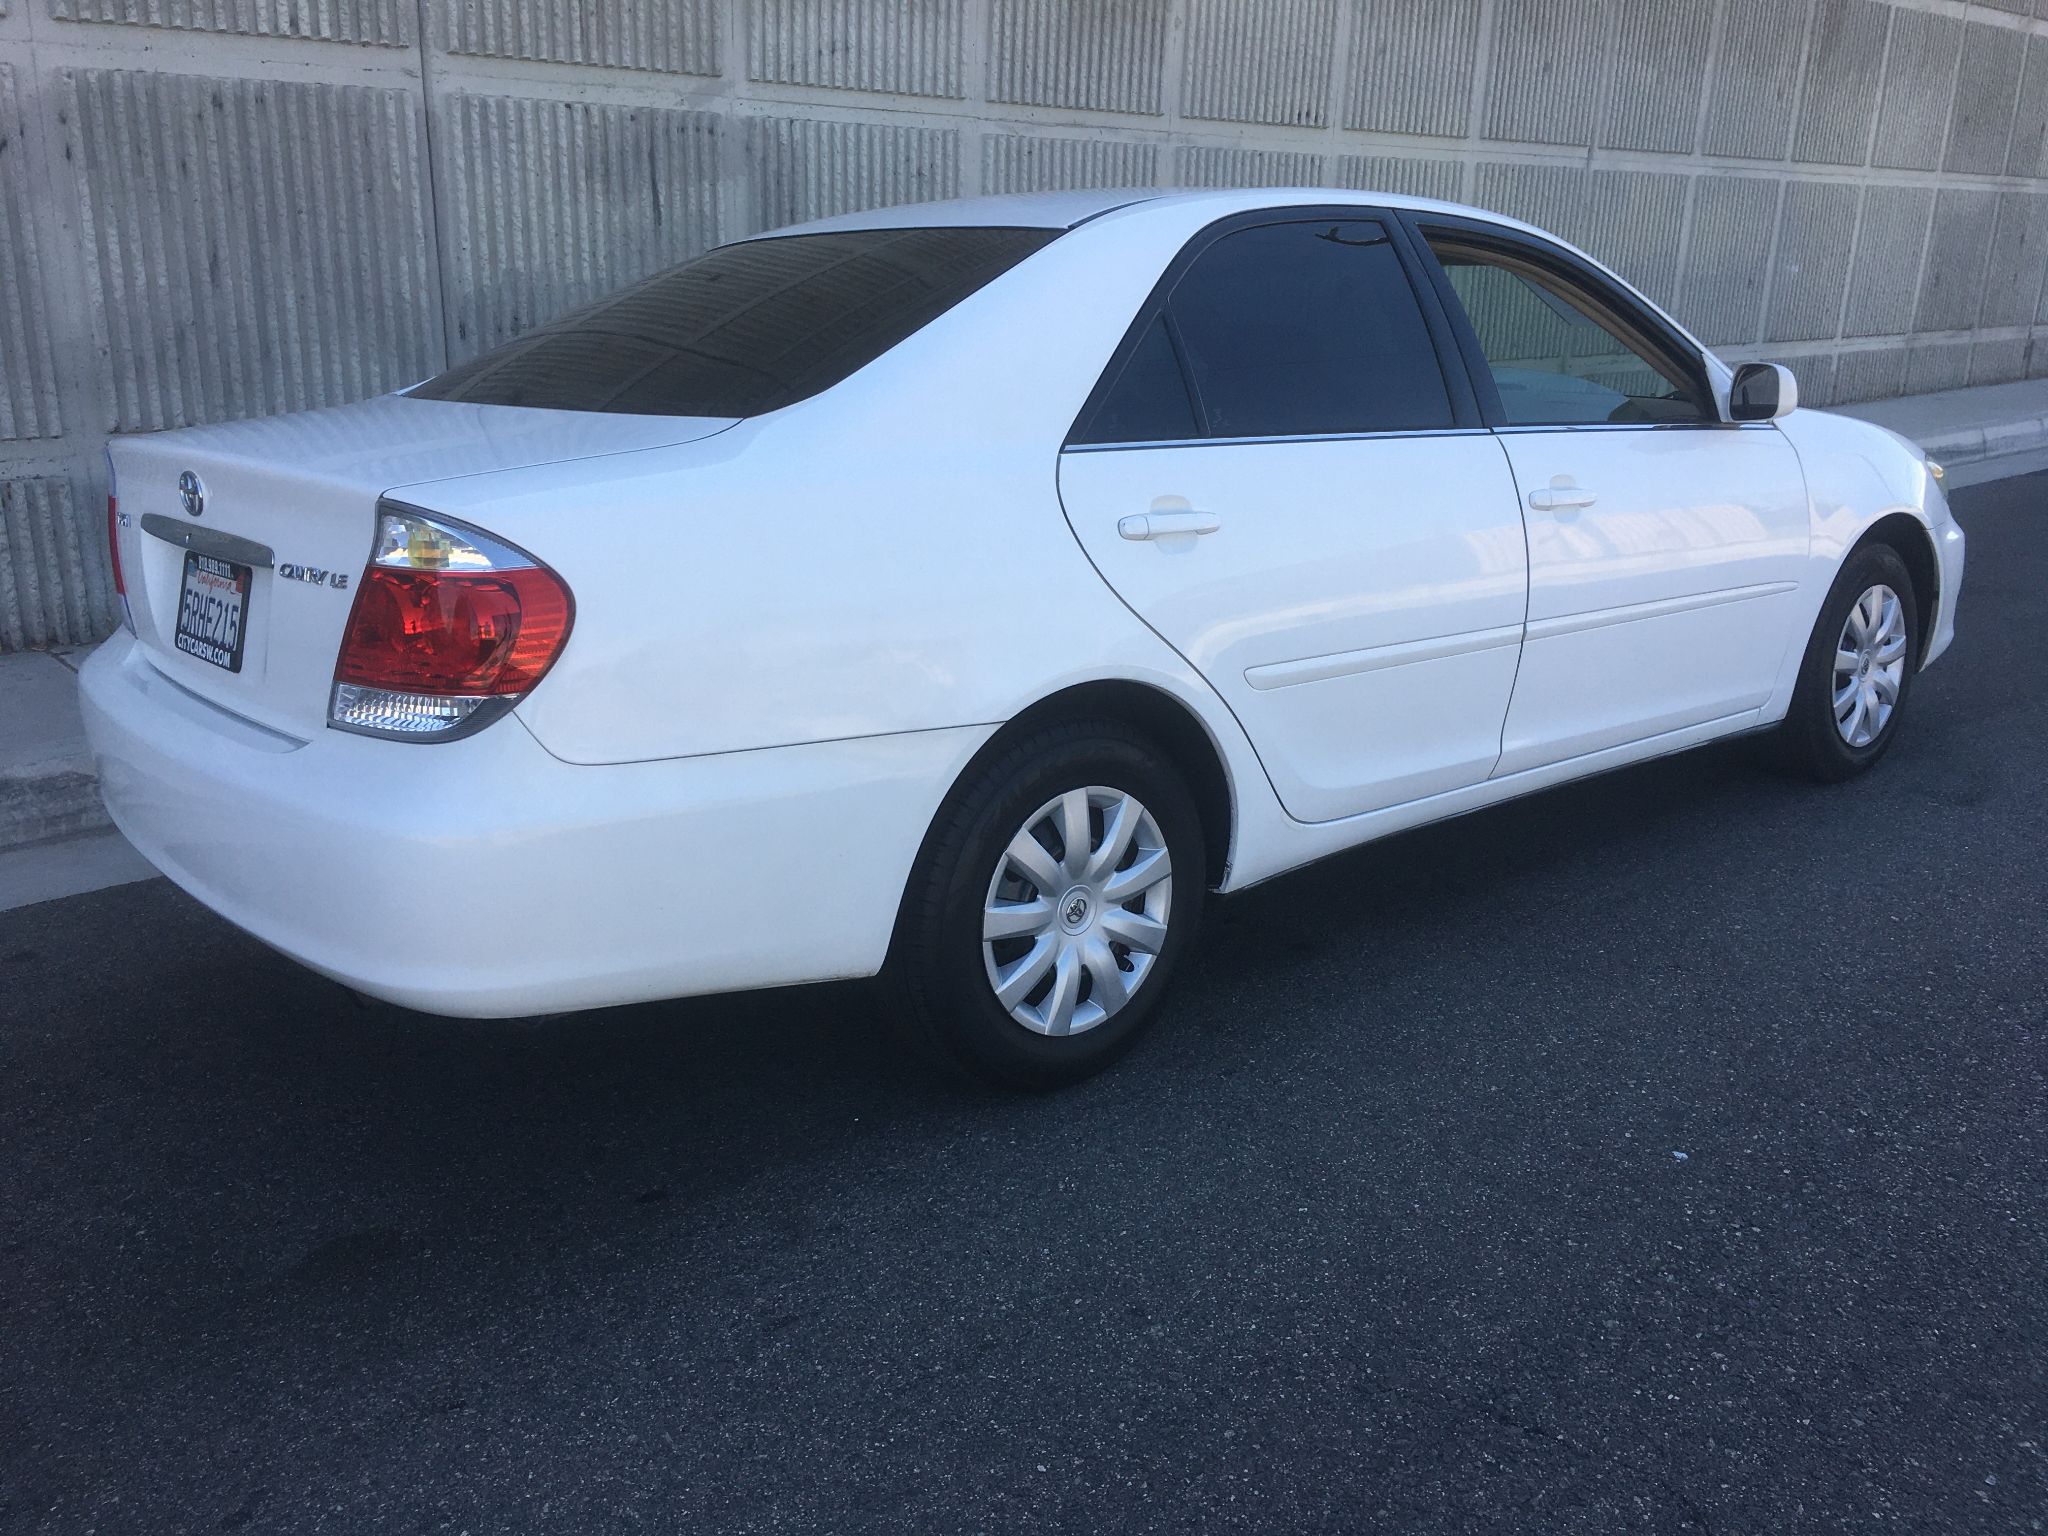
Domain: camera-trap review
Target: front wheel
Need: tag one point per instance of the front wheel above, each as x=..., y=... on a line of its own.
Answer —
x=1050, y=905
x=1858, y=670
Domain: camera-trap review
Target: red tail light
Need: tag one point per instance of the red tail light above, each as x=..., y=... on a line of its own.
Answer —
x=454, y=632
x=450, y=628
x=114, y=545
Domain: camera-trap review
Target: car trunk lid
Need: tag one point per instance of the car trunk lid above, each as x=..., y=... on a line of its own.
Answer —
x=256, y=532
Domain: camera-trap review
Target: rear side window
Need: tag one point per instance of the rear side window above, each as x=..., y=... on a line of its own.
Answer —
x=745, y=328
x=1283, y=330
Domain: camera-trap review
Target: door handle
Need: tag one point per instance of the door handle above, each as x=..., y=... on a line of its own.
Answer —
x=1164, y=525
x=1561, y=495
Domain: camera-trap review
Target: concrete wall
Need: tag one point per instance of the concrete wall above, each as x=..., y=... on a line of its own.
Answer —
x=215, y=208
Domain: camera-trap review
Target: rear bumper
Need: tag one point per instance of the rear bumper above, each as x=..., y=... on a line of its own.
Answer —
x=485, y=878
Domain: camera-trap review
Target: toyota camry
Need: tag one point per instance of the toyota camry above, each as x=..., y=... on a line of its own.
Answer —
x=961, y=592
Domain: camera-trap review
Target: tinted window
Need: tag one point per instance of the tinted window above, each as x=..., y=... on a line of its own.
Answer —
x=1562, y=354
x=1149, y=402
x=1305, y=328
x=745, y=328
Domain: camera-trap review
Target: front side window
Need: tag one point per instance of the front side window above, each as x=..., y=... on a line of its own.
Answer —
x=745, y=328
x=1561, y=354
x=1281, y=330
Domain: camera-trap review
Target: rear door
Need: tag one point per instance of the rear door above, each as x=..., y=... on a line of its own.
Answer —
x=1279, y=475
x=1666, y=546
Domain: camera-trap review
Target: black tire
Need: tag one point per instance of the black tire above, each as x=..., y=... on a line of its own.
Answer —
x=1810, y=741
x=937, y=968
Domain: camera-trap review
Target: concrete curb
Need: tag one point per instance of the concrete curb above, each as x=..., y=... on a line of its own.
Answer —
x=47, y=786
x=45, y=807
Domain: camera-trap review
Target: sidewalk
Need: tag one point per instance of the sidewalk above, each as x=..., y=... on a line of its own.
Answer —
x=1980, y=434
x=47, y=789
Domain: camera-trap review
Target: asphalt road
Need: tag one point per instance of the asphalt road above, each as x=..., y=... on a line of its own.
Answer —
x=1662, y=1154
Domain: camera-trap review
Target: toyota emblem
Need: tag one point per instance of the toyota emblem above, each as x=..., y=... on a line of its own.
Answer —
x=191, y=493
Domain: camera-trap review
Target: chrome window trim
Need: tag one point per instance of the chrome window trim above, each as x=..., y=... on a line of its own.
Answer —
x=1630, y=426
x=1248, y=442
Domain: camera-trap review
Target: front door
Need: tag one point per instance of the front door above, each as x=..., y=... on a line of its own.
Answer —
x=1665, y=546
x=1275, y=477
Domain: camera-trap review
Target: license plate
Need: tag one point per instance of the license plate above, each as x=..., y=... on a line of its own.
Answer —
x=213, y=610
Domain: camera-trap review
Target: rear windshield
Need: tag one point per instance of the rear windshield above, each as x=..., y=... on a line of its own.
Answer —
x=742, y=329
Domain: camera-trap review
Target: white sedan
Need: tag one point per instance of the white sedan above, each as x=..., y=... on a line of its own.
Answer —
x=963, y=591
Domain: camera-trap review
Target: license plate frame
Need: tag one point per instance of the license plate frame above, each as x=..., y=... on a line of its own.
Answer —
x=213, y=610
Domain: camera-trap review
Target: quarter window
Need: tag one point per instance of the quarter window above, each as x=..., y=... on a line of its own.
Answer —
x=1561, y=353
x=1149, y=401
x=1282, y=330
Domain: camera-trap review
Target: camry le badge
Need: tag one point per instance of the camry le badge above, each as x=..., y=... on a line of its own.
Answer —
x=315, y=575
x=191, y=493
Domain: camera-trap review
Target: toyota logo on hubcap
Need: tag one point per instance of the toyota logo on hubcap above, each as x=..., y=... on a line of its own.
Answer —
x=1077, y=910
x=191, y=493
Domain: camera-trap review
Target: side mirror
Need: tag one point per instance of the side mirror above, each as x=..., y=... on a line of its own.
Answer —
x=1762, y=392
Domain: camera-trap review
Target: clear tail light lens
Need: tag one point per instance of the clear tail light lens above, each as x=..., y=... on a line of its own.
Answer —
x=450, y=628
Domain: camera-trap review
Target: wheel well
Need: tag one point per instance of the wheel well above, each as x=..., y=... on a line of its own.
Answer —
x=1904, y=533
x=1175, y=728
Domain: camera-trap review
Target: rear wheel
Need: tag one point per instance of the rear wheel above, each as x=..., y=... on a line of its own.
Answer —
x=1050, y=905
x=1858, y=670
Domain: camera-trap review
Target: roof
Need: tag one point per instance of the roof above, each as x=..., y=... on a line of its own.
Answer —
x=1064, y=210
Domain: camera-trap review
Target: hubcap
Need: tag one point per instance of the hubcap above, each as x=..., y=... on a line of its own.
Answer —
x=1870, y=665
x=1076, y=911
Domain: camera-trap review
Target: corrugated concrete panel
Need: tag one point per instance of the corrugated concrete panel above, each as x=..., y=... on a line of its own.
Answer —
x=673, y=36
x=1017, y=162
x=1412, y=175
x=1844, y=62
x=1816, y=376
x=808, y=168
x=1886, y=278
x=1411, y=67
x=1722, y=295
x=1633, y=222
x=1987, y=81
x=2019, y=257
x=1259, y=61
x=1660, y=68
x=55, y=584
x=1918, y=79
x=390, y=23
x=2029, y=153
x=1999, y=362
x=1204, y=165
x=1815, y=233
x=1874, y=375
x=906, y=46
x=1078, y=53
x=1756, y=79
x=316, y=291
x=550, y=204
x=1544, y=82
x=28, y=376
x=1553, y=196
x=1934, y=365
x=1952, y=292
